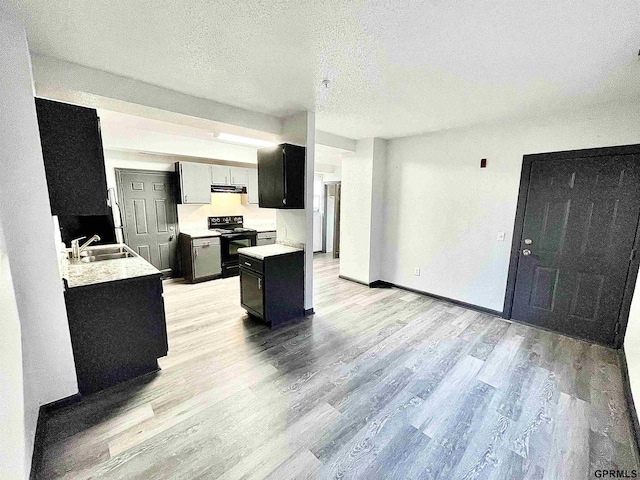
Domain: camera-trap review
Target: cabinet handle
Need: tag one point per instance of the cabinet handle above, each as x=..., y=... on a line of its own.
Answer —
x=259, y=284
x=284, y=169
x=195, y=250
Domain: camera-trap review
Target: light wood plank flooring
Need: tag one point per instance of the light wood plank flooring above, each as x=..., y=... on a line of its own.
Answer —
x=381, y=383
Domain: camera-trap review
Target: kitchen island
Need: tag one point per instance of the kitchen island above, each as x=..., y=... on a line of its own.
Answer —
x=116, y=316
x=272, y=283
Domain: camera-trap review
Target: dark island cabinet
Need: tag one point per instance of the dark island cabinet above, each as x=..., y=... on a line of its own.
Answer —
x=272, y=288
x=281, y=172
x=73, y=158
x=118, y=330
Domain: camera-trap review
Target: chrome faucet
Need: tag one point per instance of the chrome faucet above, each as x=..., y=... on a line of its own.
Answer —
x=76, y=248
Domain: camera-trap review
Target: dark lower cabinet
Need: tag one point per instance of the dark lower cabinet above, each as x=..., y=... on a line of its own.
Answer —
x=118, y=330
x=251, y=286
x=272, y=288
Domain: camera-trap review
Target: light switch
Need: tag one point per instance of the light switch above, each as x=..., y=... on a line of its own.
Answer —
x=501, y=236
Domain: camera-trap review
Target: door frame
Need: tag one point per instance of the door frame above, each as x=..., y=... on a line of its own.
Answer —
x=172, y=181
x=525, y=178
x=325, y=188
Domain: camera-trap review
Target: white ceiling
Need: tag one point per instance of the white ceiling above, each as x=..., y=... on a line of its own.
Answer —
x=396, y=67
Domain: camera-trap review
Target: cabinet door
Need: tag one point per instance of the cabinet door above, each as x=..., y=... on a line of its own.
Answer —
x=220, y=175
x=252, y=186
x=252, y=292
x=73, y=158
x=206, y=260
x=271, y=185
x=195, y=183
x=294, y=173
x=239, y=176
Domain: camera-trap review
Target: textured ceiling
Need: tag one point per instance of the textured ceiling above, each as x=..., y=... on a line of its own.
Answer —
x=396, y=67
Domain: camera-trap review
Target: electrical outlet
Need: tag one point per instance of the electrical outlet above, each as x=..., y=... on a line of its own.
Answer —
x=416, y=271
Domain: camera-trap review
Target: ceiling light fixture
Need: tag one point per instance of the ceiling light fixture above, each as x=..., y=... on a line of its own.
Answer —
x=256, y=142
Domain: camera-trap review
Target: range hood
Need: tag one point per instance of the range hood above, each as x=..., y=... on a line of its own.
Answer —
x=215, y=188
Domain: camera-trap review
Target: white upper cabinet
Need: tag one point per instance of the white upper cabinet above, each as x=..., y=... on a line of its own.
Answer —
x=220, y=175
x=195, y=184
x=252, y=186
x=196, y=180
x=239, y=176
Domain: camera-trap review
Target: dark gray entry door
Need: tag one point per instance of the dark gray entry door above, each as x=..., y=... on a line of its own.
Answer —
x=148, y=204
x=579, y=230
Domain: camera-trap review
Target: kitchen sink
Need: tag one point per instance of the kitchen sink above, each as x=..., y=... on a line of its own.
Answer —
x=106, y=252
x=106, y=256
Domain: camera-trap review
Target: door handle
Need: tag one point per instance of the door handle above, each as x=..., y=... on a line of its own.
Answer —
x=171, y=237
x=526, y=252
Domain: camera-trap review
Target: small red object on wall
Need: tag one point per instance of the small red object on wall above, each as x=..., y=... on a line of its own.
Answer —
x=483, y=163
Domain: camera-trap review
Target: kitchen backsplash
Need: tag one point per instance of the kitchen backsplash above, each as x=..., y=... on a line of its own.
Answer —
x=195, y=216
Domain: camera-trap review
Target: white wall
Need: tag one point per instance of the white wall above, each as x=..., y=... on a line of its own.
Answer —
x=295, y=227
x=196, y=216
x=361, y=209
x=334, y=176
x=25, y=216
x=13, y=452
x=443, y=212
x=377, y=208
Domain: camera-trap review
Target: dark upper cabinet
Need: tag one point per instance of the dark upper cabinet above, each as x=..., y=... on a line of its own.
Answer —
x=281, y=176
x=73, y=158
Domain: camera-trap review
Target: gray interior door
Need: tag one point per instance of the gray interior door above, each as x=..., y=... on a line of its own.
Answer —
x=148, y=203
x=577, y=242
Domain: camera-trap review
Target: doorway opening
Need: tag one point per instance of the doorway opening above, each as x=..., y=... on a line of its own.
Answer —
x=331, y=221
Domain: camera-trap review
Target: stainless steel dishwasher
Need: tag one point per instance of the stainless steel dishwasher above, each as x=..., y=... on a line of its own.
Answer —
x=206, y=257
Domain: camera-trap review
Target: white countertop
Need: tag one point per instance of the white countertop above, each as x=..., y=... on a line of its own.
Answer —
x=82, y=274
x=268, y=251
x=200, y=233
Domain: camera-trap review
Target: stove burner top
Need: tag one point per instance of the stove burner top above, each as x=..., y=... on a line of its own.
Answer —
x=225, y=231
x=228, y=225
